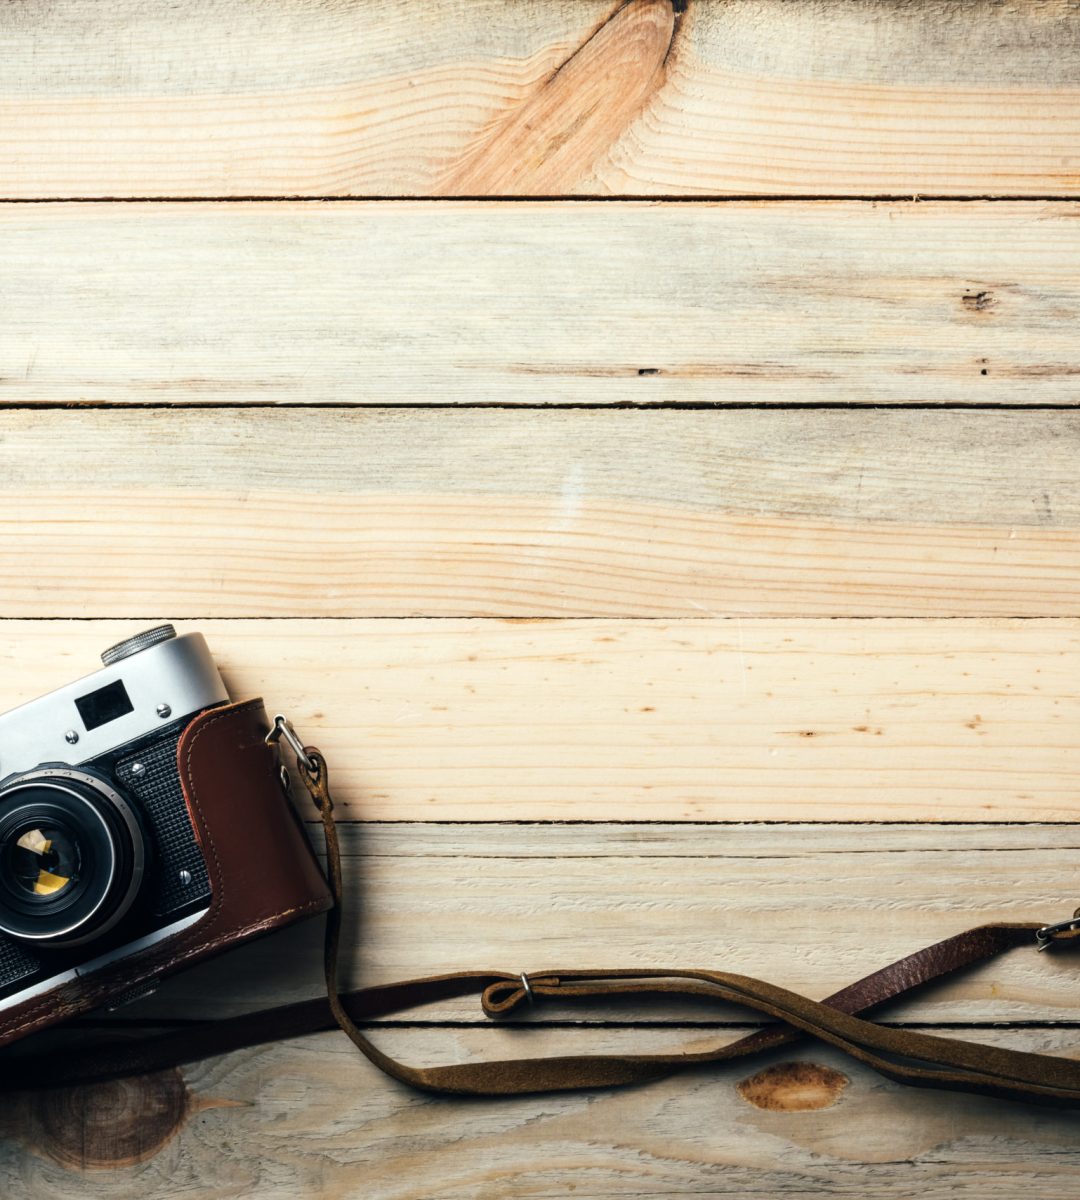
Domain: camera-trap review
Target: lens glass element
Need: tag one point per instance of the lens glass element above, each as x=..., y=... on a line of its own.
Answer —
x=73, y=856
x=41, y=860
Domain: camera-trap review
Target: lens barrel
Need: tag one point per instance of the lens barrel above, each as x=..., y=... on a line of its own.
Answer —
x=73, y=857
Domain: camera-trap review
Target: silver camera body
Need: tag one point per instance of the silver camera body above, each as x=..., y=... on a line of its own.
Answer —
x=98, y=855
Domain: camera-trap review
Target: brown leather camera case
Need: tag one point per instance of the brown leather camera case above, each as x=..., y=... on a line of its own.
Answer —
x=263, y=874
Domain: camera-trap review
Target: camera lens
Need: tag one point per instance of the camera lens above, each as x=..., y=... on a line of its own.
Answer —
x=43, y=859
x=72, y=857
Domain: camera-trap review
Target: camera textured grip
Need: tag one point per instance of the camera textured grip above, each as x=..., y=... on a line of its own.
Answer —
x=159, y=793
x=16, y=962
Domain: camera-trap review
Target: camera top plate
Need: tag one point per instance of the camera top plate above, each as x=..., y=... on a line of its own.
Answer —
x=121, y=703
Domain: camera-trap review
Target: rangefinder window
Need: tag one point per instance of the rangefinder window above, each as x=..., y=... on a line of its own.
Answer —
x=104, y=705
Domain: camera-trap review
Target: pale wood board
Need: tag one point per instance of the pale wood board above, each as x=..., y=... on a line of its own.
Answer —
x=492, y=512
x=704, y=719
x=432, y=302
x=569, y=97
x=311, y=1119
x=809, y=907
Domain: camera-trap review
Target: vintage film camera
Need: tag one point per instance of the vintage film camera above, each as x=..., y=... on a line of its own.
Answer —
x=144, y=824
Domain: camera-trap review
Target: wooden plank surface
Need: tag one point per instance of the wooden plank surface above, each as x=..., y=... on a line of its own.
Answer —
x=710, y=719
x=775, y=619
x=805, y=1121
x=492, y=512
x=811, y=907
x=565, y=97
x=540, y=303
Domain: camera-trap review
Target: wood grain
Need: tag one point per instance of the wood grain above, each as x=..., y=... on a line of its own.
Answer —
x=542, y=146
x=490, y=512
x=540, y=303
x=915, y=97
x=811, y=907
x=704, y=719
x=565, y=97
x=313, y=1119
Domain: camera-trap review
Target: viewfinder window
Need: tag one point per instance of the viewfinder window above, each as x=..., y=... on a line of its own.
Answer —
x=104, y=705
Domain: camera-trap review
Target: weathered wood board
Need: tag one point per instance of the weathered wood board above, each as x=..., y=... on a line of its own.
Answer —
x=710, y=719
x=812, y=907
x=540, y=303
x=802, y=1122
x=571, y=97
x=558, y=513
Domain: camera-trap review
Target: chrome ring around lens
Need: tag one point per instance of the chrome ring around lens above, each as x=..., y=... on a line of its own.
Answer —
x=101, y=835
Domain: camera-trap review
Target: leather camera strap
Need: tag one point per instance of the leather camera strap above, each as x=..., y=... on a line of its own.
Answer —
x=903, y=1055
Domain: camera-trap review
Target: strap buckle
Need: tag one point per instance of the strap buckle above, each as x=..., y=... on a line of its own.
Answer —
x=1046, y=936
x=283, y=728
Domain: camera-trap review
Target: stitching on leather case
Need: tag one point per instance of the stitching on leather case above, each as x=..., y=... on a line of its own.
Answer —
x=218, y=892
x=218, y=884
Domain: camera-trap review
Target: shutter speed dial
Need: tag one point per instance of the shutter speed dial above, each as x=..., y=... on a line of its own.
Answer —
x=140, y=641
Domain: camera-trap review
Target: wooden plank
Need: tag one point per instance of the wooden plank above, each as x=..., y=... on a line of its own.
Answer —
x=810, y=907
x=312, y=1118
x=540, y=303
x=649, y=720
x=492, y=512
x=563, y=97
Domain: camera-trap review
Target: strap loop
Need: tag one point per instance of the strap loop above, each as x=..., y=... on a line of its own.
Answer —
x=283, y=728
x=507, y=996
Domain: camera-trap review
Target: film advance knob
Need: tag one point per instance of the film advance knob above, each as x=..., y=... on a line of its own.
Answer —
x=141, y=641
